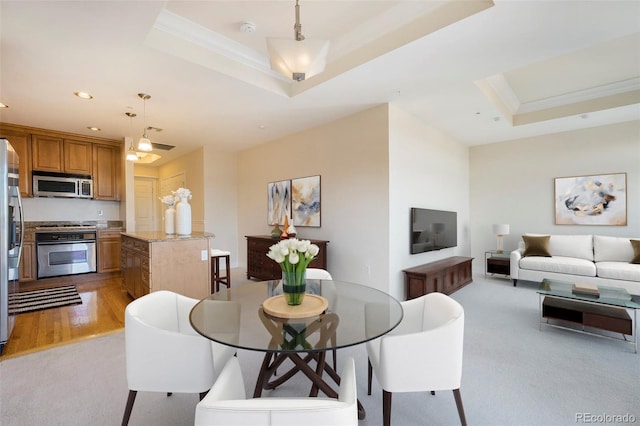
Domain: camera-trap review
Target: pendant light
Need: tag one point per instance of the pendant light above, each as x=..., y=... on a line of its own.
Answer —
x=144, y=144
x=132, y=155
x=297, y=59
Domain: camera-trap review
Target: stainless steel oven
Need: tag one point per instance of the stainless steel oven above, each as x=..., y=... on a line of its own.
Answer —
x=65, y=251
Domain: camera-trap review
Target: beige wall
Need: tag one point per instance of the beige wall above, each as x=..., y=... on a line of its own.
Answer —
x=351, y=156
x=427, y=169
x=192, y=165
x=221, y=200
x=513, y=182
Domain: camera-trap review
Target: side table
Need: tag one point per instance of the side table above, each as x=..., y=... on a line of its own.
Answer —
x=497, y=263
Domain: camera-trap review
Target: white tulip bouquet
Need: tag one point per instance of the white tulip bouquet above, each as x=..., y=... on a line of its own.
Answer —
x=293, y=256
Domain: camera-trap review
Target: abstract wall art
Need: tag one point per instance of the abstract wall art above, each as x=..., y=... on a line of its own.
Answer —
x=305, y=201
x=591, y=200
x=278, y=201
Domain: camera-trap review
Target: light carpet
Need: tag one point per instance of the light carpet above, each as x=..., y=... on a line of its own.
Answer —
x=514, y=374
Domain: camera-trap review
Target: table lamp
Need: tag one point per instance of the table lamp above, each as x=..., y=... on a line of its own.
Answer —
x=500, y=230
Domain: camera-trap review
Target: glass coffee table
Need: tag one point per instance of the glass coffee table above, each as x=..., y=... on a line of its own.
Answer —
x=607, y=310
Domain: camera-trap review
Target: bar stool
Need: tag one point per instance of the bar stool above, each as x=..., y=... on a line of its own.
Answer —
x=216, y=278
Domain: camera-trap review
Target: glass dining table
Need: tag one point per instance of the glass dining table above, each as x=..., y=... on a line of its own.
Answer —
x=355, y=314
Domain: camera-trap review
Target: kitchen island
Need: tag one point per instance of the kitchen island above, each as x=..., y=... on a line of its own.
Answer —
x=152, y=261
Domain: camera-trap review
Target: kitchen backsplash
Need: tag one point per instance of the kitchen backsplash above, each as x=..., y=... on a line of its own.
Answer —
x=68, y=209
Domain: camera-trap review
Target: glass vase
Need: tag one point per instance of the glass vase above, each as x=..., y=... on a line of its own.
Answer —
x=294, y=285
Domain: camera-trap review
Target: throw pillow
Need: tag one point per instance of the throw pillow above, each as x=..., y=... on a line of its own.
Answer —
x=636, y=251
x=536, y=246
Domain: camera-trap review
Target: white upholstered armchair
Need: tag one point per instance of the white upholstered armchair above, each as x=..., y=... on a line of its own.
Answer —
x=227, y=404
x=424, y=353
x=164, y=353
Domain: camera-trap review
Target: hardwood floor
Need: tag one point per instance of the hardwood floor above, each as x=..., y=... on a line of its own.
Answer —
x=102, y=311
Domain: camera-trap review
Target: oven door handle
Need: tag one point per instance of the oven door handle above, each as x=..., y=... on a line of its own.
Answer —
x=57, y=243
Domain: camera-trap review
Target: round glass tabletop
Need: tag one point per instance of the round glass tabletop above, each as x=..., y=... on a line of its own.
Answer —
x=355, y=314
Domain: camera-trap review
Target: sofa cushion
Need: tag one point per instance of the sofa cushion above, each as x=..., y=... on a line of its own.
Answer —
x=636, y=251
x=536, y=245
x=559, y=264
x=580, y=246
x=619, y=271
x=612, y=249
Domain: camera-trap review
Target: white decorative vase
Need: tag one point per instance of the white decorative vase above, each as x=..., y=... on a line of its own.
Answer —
x=183, y=217
x=170, y=220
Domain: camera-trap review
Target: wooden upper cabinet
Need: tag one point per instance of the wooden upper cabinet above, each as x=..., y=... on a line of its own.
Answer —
x=106, y=172
x=21, y=142
x=47, y=153
x=78, y=157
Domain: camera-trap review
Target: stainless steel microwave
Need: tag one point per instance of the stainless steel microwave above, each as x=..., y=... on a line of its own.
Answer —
x=58, y=185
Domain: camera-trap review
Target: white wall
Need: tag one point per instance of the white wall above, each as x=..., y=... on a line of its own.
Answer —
x=513, y=182
x=427, y=169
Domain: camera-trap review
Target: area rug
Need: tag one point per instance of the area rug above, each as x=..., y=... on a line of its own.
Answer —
x=37, y=300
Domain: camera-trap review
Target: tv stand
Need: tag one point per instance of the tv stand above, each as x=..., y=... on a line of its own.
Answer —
x=444, y=276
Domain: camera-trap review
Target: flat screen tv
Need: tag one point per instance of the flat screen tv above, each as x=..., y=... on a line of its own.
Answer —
x=433, y=230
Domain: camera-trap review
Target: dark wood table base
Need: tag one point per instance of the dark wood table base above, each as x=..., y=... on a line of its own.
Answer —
x=273, y=360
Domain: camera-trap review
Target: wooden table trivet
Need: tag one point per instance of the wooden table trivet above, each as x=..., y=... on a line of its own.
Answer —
x=311, y=305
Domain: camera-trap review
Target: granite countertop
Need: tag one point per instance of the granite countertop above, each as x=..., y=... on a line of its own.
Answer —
x=152, y=236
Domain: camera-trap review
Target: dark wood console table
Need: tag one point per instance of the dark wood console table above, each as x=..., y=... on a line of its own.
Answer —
x=261, y=267
x=444, y=276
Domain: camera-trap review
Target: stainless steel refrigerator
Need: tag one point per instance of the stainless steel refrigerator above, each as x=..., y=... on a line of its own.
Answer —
x=11, y=235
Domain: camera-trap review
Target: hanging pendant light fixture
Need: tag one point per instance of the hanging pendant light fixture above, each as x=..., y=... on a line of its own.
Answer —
x=297, y=59
x=132, y=155
x=144, y=144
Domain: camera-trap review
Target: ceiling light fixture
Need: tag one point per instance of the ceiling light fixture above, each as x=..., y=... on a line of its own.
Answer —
x=3, y=105
x=132, y=155
x=297, y=59
x=94, y=128
x=144, y=144
x=83, y=95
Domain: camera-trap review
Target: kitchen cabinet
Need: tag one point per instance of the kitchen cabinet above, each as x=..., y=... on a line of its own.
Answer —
x=77, y=157
x=56, y=154
x=153, y=261
x=109, y=250
x=106, y=172
x=52, y=151
x=261, y=267
x=47, y=153
x=28, y=261
x=21, y=142
x=135, y=266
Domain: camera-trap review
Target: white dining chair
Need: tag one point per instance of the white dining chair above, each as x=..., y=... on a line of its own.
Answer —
x=424, y=353
x=227, y=404
x=164, y=353
x=328, y=292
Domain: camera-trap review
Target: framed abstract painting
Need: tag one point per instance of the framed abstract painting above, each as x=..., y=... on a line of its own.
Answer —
x=591, y=200
x=305, y=201
x=278, y=202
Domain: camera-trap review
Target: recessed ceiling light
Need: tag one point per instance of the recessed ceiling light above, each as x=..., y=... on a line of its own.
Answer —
x=83, y=95
x=3, y=105
x=95, y=129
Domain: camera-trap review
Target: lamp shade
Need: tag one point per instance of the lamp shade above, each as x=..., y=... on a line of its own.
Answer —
x=132, y=155
x=144, y=144
x=501, y=229
x=295, y=59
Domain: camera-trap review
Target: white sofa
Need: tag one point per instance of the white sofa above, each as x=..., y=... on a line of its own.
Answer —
x=590, y=259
